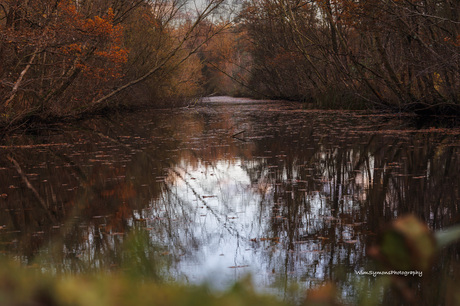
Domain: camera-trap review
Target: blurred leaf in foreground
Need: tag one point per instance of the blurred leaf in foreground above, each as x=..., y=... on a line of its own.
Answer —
x=20, y=286
x=407, y=245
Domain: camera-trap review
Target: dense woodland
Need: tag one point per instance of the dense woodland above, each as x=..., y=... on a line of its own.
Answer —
x=402, y=55
x=64, y=58
x=67, y=58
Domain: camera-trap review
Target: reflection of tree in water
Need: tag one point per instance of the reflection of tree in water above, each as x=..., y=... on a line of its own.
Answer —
x=319, y=186
x=313, y=214
x=363, y=181
x=93, y=188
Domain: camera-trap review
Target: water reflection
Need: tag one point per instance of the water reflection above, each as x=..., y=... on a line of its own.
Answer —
x=298, y=196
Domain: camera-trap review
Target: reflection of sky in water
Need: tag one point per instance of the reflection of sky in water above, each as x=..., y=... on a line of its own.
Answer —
x=229, y=227
x=225, y=209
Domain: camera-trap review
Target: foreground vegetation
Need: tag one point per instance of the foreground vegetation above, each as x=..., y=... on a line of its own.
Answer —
x=21, y=287
x=407, y=245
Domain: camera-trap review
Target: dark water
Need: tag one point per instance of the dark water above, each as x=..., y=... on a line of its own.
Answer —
x=221, y=190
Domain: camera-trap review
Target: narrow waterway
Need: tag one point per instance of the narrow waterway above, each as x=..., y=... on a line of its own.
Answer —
x=226, y=188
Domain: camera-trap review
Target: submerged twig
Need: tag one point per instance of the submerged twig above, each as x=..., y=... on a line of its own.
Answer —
x=29, y=185
x=236, y=134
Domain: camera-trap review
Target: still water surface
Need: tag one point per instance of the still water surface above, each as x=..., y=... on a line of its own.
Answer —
x=223, y=189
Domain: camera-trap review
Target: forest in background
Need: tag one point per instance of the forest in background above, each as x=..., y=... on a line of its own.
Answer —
x=68, y=58
x=401, y=55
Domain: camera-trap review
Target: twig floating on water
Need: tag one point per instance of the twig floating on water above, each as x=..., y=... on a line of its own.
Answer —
x=236, y=134
x=29, y=185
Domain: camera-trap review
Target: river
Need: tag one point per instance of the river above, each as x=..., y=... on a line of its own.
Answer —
x=223, y=189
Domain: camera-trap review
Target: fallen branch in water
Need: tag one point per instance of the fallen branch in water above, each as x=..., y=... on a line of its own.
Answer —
x=40, y=145
x=236, y=134
x=29, y=185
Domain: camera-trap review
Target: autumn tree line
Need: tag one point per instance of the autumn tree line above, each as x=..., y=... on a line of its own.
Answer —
x=402, y=55
x=67, y=58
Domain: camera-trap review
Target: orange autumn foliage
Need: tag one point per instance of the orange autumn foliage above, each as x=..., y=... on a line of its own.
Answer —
x=101, y=29
x=62, y=58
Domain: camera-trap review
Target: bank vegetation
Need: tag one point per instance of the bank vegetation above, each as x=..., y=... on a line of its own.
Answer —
x=67, y=58
x=397, y=55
